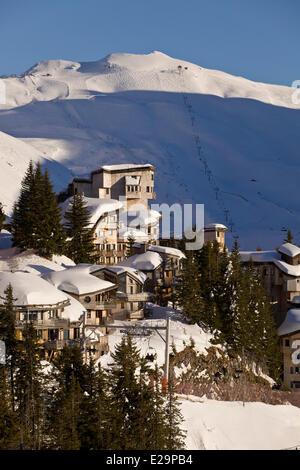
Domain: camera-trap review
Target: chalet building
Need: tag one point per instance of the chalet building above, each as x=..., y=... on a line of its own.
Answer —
x=55, y=315
x=97, y=296
x=280, y=271
x=135, y=182
x=215, y=232
x=289, y=333
x=151, y=264
x=131, y=296
x=171, y=268
x=115, y=220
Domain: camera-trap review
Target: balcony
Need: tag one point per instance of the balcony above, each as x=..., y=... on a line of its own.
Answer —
x=59, y=344
x=138, y=297
x=47, y=323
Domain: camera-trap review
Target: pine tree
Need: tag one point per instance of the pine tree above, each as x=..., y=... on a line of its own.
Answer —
x=64, y=415
x=8, y=335
x=289, y=237
x=8, y=423
x=30, y=391
x=94, y=423
x=130, y=246
x=51, y=235
x=36, y=221
x=80, y=247
x=23, y=216
x=189, y=296
x=2, y=217
x=174, y=436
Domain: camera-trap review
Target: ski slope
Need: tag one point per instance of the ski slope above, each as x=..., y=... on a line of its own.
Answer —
x=214, y=138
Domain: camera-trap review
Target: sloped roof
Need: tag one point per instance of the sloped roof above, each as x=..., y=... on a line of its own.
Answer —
x=168, y=250
x=96, y=206
x=259, y=256
x=29, y=289
x=291, y=323
x=145, y=261
x=288, y=268
x=78, y=282
x=289, y=249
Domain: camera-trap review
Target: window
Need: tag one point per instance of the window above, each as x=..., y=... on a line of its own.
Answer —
x=148, y=189
x=119, y=247
x=152, y=176
x=89, y=315
x=292, y=370
x=119, y=259
x=287, y=342
x=107, y=190
x=122, y=305
x=107, y=247
x=113, y=247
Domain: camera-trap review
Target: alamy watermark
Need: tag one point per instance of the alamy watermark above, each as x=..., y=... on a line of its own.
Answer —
x=180, y=221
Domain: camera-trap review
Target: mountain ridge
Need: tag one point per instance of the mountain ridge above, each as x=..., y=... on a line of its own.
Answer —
x=216, y=139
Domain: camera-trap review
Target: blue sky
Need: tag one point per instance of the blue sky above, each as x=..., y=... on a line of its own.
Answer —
x=258, y=39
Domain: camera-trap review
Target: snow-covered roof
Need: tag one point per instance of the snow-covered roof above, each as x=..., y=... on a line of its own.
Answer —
x=126, y=166
x=288, y=268
x=291, y=322
x=259, y=256
x=29, y=289
x=28, y=261
x=76, y=281
x=73, y=311
x=96, y=206
x=139, y=275
x=167, y=250
x=215, y=227
x=145, y=262
x=289, y=249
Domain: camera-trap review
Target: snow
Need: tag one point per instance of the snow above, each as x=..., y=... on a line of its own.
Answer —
x=126, y=166
x=28, y=261
x=74, y=311
x=77, y=282
x=15, y=156
x=144, y=262
x=259, y=256
x=289, y=249
x=97, y=207
x=139, y=275
x=219, y=425
x=288, y=268
x=167, y=250
x=291, y=323
x=130, y=108
x=215, y=227
x=29, y=289
x=180, y=334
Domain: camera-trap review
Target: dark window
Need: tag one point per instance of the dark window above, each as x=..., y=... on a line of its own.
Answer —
x=287, y=342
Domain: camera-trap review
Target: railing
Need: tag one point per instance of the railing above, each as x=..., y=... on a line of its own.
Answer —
x=137, y=297
x=49, y=322
x=57, y=344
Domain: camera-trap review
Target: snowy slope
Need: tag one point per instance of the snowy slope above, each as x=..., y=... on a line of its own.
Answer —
x=219, y=425
x=143, y=108
x=15, y=156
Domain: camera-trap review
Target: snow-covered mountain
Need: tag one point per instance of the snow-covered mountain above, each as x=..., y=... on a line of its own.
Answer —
x=216, y=139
